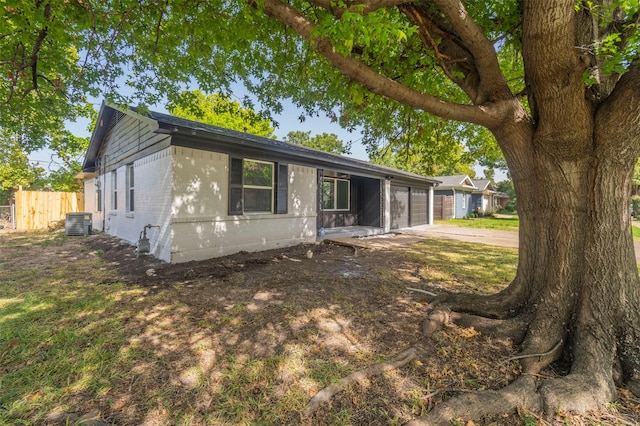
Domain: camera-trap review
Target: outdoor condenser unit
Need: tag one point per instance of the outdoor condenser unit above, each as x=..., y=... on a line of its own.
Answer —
x=77, y=224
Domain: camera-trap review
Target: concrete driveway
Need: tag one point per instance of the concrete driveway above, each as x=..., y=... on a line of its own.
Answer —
x=460, y=233
x=472, y=235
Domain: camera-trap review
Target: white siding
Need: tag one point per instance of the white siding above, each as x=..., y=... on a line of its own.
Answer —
x=91, y=202
x=201, y=226
x=129, y=136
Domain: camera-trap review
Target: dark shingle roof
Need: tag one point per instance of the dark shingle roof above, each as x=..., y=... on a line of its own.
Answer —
x=213, y=134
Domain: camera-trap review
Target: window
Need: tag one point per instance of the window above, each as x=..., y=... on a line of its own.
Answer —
x=98, y=203
x=252, y=185
x=130, y=188
x=114, y=190
x=335, y=194
x=257, y=185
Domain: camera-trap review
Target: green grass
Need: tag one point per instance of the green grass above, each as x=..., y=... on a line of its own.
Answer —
x=70, y=346
x=465, y=266
x=509, y=224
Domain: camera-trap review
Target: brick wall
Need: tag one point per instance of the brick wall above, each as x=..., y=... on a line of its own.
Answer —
x=201, y=225
x=152, y=203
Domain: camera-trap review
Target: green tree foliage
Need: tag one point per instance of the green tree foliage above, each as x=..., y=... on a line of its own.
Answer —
x=15, y=169
x=69, y=149
x=506, y=186
x=328, y=142
x=219, y=110
x=425, y=146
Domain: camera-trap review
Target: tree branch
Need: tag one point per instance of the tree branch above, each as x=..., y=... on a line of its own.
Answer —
x=362, y=7
x=375, y=82
x=492, y=82
x=618, y=116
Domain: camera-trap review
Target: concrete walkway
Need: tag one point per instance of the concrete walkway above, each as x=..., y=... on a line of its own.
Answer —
x=412, y=235
x=460, y=233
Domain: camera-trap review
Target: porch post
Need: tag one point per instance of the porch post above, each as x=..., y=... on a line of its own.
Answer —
x=430, y=207
x=387, y=205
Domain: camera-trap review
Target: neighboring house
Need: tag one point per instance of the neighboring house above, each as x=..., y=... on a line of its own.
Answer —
x=485, y=199
x=213, y=191
x=453, y=197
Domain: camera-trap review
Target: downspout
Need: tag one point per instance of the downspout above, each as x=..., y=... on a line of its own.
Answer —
x=104, y=197
x=430, y=211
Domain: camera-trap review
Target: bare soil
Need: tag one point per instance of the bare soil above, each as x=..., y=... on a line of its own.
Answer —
x=342, y=308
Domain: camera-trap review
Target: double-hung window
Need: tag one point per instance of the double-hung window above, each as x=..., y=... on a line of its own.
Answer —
x=130, y=189
x=335, y=194
x=254, y=187
x=257, y=185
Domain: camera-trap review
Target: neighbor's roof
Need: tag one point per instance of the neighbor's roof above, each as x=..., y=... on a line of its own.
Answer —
x=214, y=135
x=457, y=181
x=483, y=184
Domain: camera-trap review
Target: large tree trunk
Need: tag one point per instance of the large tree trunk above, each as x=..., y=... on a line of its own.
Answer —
x=577, y=290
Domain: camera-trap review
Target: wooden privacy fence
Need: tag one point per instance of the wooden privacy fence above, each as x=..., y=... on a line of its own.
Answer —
x=41, y=210
x=443, y=207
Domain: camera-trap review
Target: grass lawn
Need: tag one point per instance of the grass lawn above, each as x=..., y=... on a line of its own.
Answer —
x=83, y=338
x=508, y=224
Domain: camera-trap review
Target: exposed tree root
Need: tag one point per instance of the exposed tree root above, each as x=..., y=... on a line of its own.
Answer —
x=519, y=394
x=502, y=305
x=328, y=392
x=511, y=329
x=578, y=393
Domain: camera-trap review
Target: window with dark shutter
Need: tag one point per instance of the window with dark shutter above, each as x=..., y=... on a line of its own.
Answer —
x=282, y=193
x=235, y=186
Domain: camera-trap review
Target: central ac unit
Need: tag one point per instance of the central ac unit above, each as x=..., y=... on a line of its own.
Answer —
x=77, y=224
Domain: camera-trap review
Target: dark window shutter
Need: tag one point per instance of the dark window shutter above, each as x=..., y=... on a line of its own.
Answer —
x=235, y=186
x=282, y=189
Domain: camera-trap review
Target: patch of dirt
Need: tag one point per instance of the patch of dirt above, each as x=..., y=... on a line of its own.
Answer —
x=358, y=303
x=207, y=326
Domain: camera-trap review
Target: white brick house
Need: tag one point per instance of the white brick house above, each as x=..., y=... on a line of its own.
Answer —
x=214, y=191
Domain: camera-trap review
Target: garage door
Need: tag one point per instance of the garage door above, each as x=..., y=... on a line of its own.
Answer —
x=419, y=200
x=399, y=207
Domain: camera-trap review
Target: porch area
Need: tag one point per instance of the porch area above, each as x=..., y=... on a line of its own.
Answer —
x=349, y=232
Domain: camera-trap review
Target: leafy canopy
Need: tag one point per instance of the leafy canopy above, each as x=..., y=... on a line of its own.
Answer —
x=56, y=53
x=328, y=142
x=15, y=169
x=219, y=110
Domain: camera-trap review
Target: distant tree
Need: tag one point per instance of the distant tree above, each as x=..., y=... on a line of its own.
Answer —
x=429, y=146
x=221, y=111
x=327, y=142
x=15, y=169
x=635, y=180
x=489, y=174
x=69, y=150
x=506, y=186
